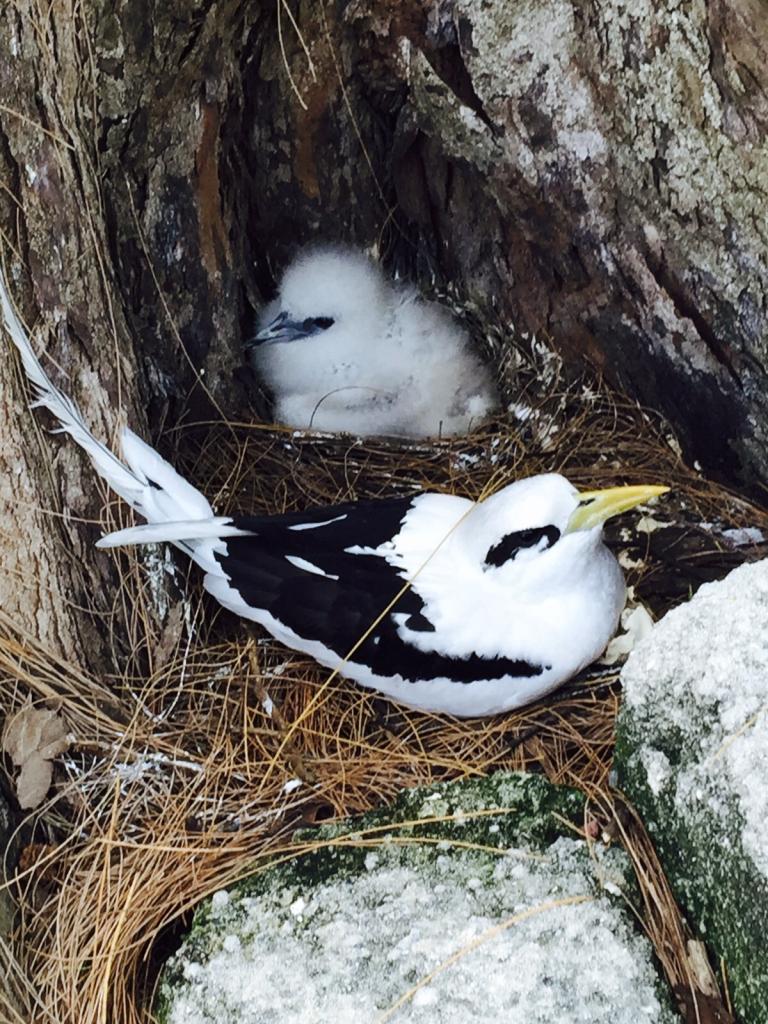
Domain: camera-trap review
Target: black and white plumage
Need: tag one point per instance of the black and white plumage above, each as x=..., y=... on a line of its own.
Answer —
x=345, y=349
x=469, y=608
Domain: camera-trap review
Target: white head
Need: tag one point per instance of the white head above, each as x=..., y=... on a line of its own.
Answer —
x=536, y=529
x=523, y=574
x=326, y=291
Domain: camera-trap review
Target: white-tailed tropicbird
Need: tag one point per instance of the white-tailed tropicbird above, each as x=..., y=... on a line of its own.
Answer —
x=445, y=604
x=343, y=348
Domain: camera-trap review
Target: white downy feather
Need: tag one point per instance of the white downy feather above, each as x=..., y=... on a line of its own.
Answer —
x=389, y=362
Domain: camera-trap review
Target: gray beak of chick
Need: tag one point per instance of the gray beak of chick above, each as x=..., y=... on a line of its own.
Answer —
x=283, y=328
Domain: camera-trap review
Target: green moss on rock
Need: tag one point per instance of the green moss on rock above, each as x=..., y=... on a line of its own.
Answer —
x=692, y=756
x=384, y=904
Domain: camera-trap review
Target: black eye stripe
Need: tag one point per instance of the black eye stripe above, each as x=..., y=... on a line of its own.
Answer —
x=313, y=324
x=509, y=545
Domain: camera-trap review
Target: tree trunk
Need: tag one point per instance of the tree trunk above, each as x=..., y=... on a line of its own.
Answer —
x=593, y=173
x=109, y=144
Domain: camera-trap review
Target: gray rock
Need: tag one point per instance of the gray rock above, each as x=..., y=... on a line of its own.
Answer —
x=499, y=917
x=692, y=755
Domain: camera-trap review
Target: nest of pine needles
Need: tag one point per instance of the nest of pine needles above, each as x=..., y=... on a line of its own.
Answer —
x=193, y=765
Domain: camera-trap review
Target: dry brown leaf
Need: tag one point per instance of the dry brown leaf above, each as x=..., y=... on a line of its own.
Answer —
x=32, y=739
x=34, y=781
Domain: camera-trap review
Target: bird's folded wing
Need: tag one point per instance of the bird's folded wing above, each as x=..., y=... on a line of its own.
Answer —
x=301, y=573
x=356, y=613
x=331, y=528
x=320, y=576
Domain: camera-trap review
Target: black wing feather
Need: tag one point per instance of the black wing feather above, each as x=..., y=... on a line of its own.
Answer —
x=328, y=529
x=337, y=612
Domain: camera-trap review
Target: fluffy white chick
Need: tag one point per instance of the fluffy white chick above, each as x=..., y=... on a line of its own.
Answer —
x=343, y=348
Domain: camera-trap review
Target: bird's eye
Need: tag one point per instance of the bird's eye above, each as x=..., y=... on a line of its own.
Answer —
x=315, y=324
x=511, y=543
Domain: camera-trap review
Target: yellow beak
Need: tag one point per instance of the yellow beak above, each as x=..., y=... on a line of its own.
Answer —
x=596, y=506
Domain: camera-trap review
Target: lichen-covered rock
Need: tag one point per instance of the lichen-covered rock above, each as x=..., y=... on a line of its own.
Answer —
x=405, y=915
x=692, y=755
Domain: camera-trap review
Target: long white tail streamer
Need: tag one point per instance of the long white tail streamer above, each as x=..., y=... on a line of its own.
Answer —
x=149, y=484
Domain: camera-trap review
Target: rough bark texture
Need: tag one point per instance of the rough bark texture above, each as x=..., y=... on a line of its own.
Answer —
x=592, y=172
x=51, y=197
x=108, y=150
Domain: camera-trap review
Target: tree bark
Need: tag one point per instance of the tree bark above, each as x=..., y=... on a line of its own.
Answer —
x=590, y=172
x=109, y=140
